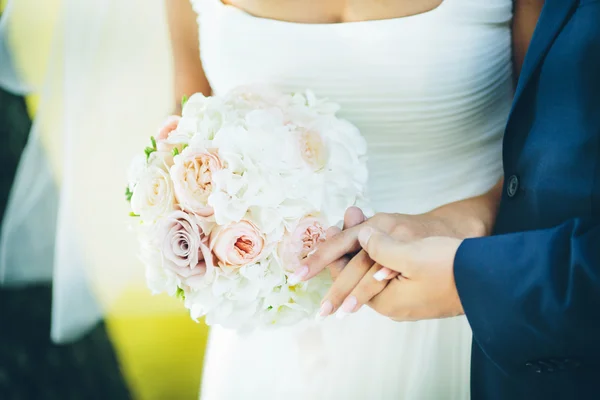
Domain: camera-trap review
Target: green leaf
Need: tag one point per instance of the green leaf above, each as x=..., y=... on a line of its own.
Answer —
x=180, y=294
x=184, y=147
x=148, y=151
x=184, y=100
x=175, y=151
x=132, y=214
x=128, y=193
x=153, y=141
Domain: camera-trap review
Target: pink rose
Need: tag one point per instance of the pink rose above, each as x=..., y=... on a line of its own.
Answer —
x=168, y=126
x=237, y=244
x=184, y=247
x=301, y=242
x=192, y=179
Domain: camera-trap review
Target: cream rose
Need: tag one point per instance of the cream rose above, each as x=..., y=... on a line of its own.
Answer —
x=192, y=179
x=184, y=247
x=237, y=244
x=301, y=242
x=153, y=194
x=312, y=148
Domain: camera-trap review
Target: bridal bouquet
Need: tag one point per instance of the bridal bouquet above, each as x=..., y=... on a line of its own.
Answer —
x=235, y=193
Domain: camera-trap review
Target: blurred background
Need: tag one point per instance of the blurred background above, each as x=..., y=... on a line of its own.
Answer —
x=146, y=347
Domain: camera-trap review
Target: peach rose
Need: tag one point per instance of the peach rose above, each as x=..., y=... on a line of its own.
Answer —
x=192, y=179
x=237, y=244
x=184, y=247
x=301, y=242
x=312, y=149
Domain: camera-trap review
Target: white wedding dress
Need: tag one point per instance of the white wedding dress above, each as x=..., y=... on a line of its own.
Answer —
x=431, y=94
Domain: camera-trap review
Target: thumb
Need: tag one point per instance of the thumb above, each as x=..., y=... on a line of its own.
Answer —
x=383, y=249
x=353, y=216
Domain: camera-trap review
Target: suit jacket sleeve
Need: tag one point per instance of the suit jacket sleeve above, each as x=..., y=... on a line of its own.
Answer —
x=533, y=295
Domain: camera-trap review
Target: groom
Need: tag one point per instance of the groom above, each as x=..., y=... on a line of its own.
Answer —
x=531, y=292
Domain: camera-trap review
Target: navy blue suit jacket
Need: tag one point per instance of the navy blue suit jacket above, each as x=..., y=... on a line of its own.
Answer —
x=531, y=292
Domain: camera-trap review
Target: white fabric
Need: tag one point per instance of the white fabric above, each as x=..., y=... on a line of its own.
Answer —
x=431, y=93
x=108, y=87
x=9, y=78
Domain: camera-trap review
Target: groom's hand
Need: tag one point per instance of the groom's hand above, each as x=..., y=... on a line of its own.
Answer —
x=471, y=217
x=425, y=287
x=336, y=249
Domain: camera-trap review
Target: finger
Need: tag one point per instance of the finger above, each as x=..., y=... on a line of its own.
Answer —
x=345, y=242
x=353, y=216
x=337, y=245
x=363, y=292
x=348, y=278
x=384, y=250
x=331, y=232
x=384, y=274
x=392, y=301
x=336, y=267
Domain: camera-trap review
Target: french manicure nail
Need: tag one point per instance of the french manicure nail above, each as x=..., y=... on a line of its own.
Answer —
x=381, y=274
x=349, y=304
x=325, y=311
x=297, y=276
x=364, y=235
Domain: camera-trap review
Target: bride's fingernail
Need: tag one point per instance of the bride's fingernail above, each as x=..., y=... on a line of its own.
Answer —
x=349, y=304
x=381, y=274
x=297, y=276
x=326, y=309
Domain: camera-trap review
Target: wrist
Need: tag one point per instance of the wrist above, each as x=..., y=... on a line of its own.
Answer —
x=474, y=217
x=462, y=224
x=468, y=218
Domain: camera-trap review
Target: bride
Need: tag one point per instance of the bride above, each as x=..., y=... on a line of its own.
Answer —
x=429, y=83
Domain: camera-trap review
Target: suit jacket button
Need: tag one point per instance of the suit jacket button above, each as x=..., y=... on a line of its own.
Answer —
x=512, y=186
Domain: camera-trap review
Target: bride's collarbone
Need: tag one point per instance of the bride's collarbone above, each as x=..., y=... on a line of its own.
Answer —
x=333, y=11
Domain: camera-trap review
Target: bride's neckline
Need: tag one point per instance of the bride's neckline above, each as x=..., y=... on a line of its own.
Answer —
x=246, y=14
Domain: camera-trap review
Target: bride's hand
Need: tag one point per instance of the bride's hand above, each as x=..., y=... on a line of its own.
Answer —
x=360, y=279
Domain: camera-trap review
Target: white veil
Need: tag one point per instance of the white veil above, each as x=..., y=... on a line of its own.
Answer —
x=107, y=86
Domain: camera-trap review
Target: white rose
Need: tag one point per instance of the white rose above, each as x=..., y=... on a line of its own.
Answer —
x=136, y=170
x=153, y=194
x=158, y=279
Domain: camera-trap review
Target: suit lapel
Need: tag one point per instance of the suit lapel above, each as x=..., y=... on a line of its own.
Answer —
x=551, y=21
